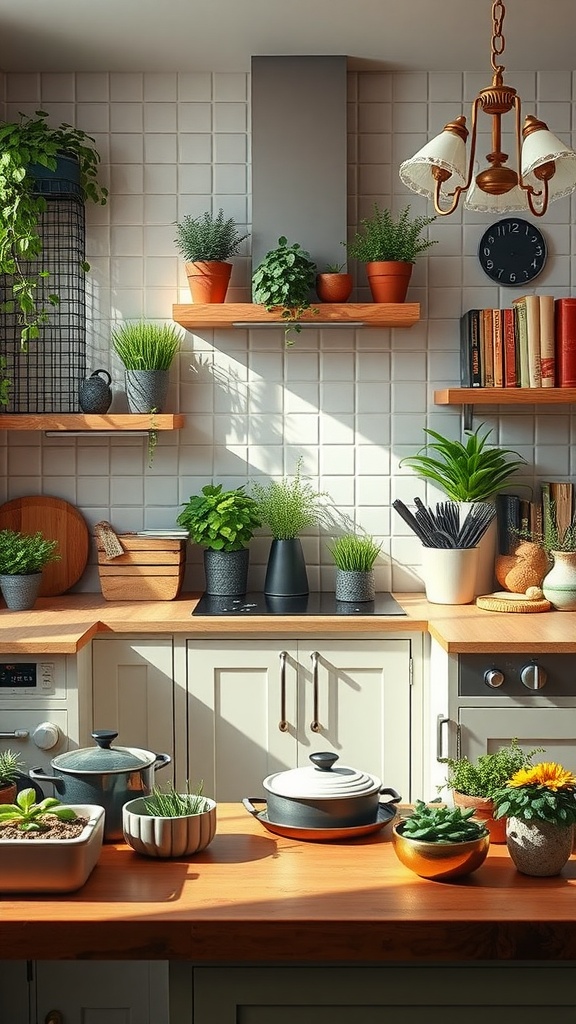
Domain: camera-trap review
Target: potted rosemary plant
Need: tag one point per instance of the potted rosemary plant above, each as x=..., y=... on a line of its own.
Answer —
x=223, y=523
x=22, y=558
x=283, y=281
x=31, y=150
x=440, y=842
x=168, y=823
x=206, y=244
x=389, y=247
x=287, y=507
x=354, y=555
x=146, y=349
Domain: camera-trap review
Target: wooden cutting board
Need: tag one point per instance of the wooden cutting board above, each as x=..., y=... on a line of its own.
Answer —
x=57, y=520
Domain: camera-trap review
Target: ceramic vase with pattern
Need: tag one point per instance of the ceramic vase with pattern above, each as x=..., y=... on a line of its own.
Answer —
x=559, y=584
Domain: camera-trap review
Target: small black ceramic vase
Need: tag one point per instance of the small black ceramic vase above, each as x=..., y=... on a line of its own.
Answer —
x=95, y=393
x=286, y=574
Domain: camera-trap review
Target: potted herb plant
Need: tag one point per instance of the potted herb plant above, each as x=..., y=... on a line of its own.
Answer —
x=206, y=244
x=223, y=523
x=46, y=846
x=287, y=507
x=354, y=555
x=539, y=803
x=168, y=823
x=22, y=558
x=334, y=284
x=475, y=783
x=283, y=281
x=440, y=842
x=389, y=248
x=30, y=151
x=146, y=349
x=11, y=766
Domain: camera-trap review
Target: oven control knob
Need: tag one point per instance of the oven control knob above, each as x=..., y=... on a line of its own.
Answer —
x=494, y=678
x=46, y=735
x=534, y=677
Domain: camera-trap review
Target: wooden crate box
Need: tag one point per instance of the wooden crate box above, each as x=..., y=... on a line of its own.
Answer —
x=151, y=569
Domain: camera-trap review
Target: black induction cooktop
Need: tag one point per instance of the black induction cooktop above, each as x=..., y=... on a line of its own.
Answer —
x=316, y=603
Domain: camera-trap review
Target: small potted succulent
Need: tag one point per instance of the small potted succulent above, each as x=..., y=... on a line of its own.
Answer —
x=474, y=783
x=11, y=766
x=334, y=284
x=440, y=842
x=22, y=558
x=287, y=507
x=206, y=244
x=539, y=804
x=354, y=555
x=389, y=248
x=223, y=523
x=168, y=823
x=283, y=281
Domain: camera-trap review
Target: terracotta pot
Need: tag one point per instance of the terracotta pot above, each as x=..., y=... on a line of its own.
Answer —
x=334, y=287
x=389, y=280
x=483, y=811
x=208, y=280
x=7, y=793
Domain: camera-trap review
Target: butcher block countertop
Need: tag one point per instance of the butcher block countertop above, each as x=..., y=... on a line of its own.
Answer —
x=65, y=624
x=253, y=896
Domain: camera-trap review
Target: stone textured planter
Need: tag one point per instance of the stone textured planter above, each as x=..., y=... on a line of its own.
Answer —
x=539, y=847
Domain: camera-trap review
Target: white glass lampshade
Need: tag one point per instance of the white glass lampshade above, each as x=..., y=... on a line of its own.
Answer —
x=448, y=151
x=539, y=148
x=514, y=201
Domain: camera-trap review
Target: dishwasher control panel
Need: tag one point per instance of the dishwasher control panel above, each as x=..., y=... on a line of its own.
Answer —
x=25, y=677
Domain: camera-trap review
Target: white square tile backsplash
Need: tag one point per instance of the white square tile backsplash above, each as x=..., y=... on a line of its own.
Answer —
x=351, y=403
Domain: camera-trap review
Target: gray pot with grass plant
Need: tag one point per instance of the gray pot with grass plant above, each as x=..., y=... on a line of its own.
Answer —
x=169, y=824
x=354, y=556
x=146, y=349
x=22, y=558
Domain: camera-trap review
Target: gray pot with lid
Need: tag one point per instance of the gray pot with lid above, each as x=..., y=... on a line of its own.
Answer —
x=324, y=795
x=104, y=775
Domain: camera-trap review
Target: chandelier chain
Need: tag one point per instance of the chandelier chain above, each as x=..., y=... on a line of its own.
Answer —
x=498, y=41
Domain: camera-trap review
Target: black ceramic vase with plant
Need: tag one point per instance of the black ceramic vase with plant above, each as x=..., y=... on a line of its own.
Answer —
x=223, y=523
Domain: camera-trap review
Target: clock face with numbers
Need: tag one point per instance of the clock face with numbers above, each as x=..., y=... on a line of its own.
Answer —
x=512, y=251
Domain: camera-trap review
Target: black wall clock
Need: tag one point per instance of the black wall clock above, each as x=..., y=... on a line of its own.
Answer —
x=512, y=251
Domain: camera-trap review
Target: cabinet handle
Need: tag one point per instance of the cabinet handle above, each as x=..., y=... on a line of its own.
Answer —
x=53, y=1017
x=283, y=724
x=315, y=724
x=440, y=722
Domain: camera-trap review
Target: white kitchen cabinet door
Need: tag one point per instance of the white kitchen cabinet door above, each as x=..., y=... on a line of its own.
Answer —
x=239, y=693
x=252, y=705
x=102, y=992
x=133, y=693
x=362, y=706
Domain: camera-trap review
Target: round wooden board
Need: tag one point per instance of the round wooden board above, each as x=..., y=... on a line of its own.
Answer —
x=57, y=520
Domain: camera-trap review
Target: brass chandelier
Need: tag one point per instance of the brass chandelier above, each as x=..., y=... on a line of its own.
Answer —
x=546, y=166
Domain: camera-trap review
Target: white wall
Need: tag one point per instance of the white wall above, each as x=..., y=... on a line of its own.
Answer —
x=352, y=403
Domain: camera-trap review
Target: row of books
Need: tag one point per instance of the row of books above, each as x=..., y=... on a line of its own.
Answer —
x=550, y=516
x=530, y=345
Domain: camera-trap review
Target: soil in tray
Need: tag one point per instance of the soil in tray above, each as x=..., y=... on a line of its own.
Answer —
x=57, y=830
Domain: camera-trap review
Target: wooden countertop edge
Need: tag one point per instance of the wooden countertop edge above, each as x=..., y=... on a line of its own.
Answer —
x=66, y=624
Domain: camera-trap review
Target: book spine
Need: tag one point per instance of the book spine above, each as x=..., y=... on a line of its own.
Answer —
x=509, y=349
x=470, y=349
x=487, y=348
x=497, y=346
x=519, y=306
x=533, y=332
x=565, y=342
x=547, y=353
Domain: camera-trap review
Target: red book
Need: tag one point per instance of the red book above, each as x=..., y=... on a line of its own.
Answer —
x=509, y=349
x=565, y=316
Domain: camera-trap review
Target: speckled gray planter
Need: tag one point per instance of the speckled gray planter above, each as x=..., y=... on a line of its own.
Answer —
x=226, y=572
x=20, y=592
x=538, y=847
x=146, y=390
x=354, y=585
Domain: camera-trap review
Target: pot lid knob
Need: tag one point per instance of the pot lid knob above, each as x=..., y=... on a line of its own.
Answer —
x=324, y=760
x=104, y=738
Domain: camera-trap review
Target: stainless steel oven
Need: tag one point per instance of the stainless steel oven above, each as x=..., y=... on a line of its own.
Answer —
x=34, y=706
x=495, y=698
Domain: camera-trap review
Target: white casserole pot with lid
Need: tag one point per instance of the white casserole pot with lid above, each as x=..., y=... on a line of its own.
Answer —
x=324, y=795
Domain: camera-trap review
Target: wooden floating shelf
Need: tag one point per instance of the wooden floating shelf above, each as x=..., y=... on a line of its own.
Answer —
x=505, y=396
x=233, y=314
x=91, y=421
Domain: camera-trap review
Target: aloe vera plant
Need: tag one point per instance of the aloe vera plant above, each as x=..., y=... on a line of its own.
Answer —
x=440, y=824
